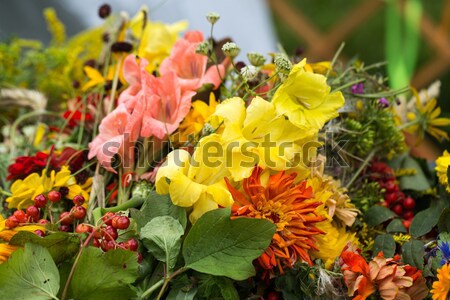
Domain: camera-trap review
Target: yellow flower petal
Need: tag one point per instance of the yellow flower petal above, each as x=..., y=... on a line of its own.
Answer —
x=176, y=161
x=183, y=191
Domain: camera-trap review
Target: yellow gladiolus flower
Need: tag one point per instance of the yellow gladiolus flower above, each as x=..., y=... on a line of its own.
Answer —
x=260, y=136
x=24, y=191
x=306, y=100
x=442, y=164
x=195, y=181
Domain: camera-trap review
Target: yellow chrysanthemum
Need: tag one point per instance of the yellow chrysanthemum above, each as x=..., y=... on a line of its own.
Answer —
x=195, y=181
x=442, y=164
x=6, y=234
x=196, y=118
x=305, y=98
x=331, y=243
x=441, y=287
x=24, y=191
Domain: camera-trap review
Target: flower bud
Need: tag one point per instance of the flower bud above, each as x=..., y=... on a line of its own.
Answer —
x=282, y=64
x=212, y=17
x=202, y=48
x=208, y=129
x=231, y=50
x=249, y=72
x=256, y=59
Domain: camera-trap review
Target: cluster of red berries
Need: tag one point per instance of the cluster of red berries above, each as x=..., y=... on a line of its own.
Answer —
x=394, y=198
x=105, y=236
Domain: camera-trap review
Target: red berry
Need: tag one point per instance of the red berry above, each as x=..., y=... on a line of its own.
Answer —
x=40, y=201
x=384, y=204
x=132, y=244
x=54, y=196
x=273, y=296
x=97, y=234
x=33, y=212
x=139, y=258
x=409, y=203
x=398, y=209
x=114, y=221
x=11, y=222
x=78, y=200
x=66, y=218
x=79, y=212
x=390, y=186
x=64, y=228
x=108, y=245
x=96, y=243
x=121, y=222
x=43, y=222
x=408, y=215
x=82, y=228
x=406, y=223
x=390, y=197
x=39, y=233
x=107, y=218
x=110, y=233
x=21, y=216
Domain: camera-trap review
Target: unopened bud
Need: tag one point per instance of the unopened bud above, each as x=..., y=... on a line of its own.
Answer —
x=202, y=48
x=212, y=17
x=249, y=72
x=256, y=59
x=282, y=64
x=231, y=50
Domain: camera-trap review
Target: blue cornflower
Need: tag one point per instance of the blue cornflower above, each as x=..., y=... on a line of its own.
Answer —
x=445, y=249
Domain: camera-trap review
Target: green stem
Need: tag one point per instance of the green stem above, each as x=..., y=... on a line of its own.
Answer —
x=349, y=84
x=408, y=124
x=132, y=203
x=114, y=84
x=168, y=279
x=152, y=289
x=336, y=55
x=361, y=167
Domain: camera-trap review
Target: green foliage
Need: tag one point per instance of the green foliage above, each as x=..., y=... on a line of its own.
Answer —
x=60, y=245
x=384, y=243
x=216, y=287
x=181, y=288
x=100, y=275
x=395, y=226
x=298, y=283
x=155, y=206
x=220, y=246
x=162, y=238
x=366, y=195
x=378, y=214
x=417, y=181
x=30, y=273
x=444, y=220
x=412, y=253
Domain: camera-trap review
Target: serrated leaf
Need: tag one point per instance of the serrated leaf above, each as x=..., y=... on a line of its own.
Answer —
x=61, y=245
x=104, y=275
x=444, y=220
x=220, y=246
x=395, y=226
x=158, y=205
x=423, y=222
x=412, y=253
x=384, y=243
x=162, y=238
x=378, y=214
x=30, y=273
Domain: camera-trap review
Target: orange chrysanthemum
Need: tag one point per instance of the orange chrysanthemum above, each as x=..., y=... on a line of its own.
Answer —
x=291, y=207
x=441, y=287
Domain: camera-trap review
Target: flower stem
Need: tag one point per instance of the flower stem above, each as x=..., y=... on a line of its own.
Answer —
x=168, y=279
x=361, y=167
x=152, y=289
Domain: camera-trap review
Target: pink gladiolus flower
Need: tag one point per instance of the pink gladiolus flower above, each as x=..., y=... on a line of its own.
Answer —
x=189, y=66
x=117, y=133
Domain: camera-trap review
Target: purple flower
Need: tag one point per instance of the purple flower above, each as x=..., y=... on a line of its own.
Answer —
x=445, y=249
x=357, y=88
x=383, y=102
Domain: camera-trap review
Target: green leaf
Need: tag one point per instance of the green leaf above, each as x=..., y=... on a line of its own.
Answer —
x=158, y=205
x=418, y=181
x=384, y=243
x=412, y=253
x=102, y=275
x=444, y=221
x=378, y=214
x=395, y=226
x=216, y=287
x=162, y=238
x=181, y=288
x=423, y=222
x=220, y=246
x=60, y=245
x=30, y=273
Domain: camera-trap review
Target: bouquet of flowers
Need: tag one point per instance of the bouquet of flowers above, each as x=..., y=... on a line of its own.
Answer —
x=141, y=160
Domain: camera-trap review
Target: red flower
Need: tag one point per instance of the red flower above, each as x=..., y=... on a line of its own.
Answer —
x=26, y=165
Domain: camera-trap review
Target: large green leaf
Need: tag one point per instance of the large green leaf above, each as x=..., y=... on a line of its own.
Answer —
x=384, y=243
x=378, y=214
x=412, y=253
x=158, y=205
x=396, y=225
x=444, y=221
x=424, y=221
x=162, y=238
x=61, y=245
x=220, y=246
x=216, y=287
x=30, y=273
x=100, y=275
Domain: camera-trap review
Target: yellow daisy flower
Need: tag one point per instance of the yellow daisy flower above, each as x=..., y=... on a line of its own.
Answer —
x=24, y=191
x=442, y=164
x=441, y=287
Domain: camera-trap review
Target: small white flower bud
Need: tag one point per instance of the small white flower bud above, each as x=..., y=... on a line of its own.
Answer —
x=212, y=17
x=202, y=48
x=256, y=59
x=282, y=64
x=231, y=49
x=249, y=72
